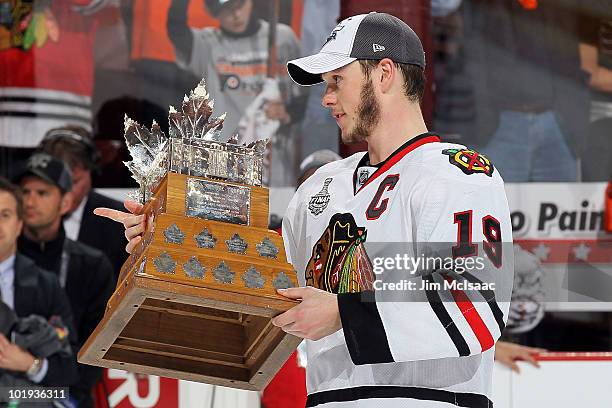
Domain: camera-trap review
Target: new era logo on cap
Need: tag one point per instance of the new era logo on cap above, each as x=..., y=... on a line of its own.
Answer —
x=360, y=37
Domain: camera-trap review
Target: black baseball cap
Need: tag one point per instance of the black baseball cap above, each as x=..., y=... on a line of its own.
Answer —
x=48, y=168
x=372, y=36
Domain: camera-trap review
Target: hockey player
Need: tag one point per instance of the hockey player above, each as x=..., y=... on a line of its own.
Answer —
x=431, y=348
x=410, y=197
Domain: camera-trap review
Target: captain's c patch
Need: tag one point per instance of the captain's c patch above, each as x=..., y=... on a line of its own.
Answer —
x=469, y=161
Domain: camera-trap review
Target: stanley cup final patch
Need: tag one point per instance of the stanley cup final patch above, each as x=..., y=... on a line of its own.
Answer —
x=318, y=202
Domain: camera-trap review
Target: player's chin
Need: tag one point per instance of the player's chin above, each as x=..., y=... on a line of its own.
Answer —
x=351, y=138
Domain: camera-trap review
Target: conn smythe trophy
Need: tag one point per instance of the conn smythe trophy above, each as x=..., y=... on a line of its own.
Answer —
x=196, y=297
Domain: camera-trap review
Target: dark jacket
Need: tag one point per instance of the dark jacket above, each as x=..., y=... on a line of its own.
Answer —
x=102, y=233
x=525, y=60
x=38, y=292
x=89, y=285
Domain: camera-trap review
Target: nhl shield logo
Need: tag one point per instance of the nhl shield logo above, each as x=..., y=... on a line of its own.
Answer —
x=363, y=176
x=318, y=202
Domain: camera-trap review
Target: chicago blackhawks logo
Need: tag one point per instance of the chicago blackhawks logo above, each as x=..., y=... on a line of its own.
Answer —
x=339, y=262
x=469, y=161
x=318, y=202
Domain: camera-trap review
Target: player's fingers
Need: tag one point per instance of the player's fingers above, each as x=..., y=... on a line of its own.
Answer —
x=292, y=293
x=531, y=359
x=134, y=231
x=296, y=333
x=284, y=319
x=514, y=367
x=290, y=328
x=132, y=244
x=4, y=343
x=114, y=215
x=536, y=350
x=133, y=206
x=133, y=220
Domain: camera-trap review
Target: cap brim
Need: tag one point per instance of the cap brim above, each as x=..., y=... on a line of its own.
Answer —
x=307, y=70
x=33, y=172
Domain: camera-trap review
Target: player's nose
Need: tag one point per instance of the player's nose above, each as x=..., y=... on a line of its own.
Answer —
x=329, y=98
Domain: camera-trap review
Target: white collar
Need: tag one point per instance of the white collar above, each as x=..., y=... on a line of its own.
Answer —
x=7, y=264
x=77, y=214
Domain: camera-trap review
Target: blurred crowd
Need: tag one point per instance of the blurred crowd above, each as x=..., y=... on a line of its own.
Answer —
x=528, y=82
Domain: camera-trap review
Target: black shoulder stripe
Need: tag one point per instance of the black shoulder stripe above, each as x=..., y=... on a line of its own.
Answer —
x=438, y=307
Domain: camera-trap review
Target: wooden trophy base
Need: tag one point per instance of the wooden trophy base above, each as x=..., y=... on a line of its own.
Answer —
x=197, y=327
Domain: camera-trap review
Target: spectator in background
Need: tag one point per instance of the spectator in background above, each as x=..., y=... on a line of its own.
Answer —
x=46, y=70
x=313, y=161
x=84, y=272
x=73, y=145
x=455, y=110
x=536, y=73
x=596, y=59
x=233, y=61
x=319, y=19
x=29, y=290
x=522, y=57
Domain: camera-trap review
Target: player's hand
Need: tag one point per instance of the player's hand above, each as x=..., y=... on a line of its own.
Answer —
x=276, y=110
x=509, y=353
x=316, y=317
x=12, y=357
x=133, y=221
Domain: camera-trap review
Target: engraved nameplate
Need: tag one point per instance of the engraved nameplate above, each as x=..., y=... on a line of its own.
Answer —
x=236, y=244
x=266, y=248
x=164, y=263
x=205, y=239
x=223, y=273
x=194, y=269
x=253, y=279
x=217, y=201
x=174, y=235
x=282, y=281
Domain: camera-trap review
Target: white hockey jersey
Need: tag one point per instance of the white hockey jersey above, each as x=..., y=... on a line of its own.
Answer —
x=400, y=347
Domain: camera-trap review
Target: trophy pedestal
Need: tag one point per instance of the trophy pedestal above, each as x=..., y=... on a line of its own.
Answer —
x=195, y=299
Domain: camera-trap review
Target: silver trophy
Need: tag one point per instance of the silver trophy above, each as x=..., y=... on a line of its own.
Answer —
x=193, y=148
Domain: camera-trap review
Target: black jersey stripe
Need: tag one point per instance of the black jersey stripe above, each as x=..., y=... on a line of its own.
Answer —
x=364, y=332
x=460, y=399
x=447, y=322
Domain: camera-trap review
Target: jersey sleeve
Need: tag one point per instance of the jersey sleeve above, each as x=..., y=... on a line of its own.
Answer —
x=451, y=310
x=200, y=58
x=290, y=230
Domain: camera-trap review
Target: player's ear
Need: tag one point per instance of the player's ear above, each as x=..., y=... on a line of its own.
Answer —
x=386, y=74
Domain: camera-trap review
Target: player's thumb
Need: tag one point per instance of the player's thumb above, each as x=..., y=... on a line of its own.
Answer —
x=291, y=293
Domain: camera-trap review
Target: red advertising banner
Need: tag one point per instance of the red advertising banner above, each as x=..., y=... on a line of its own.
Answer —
x=120, y=389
